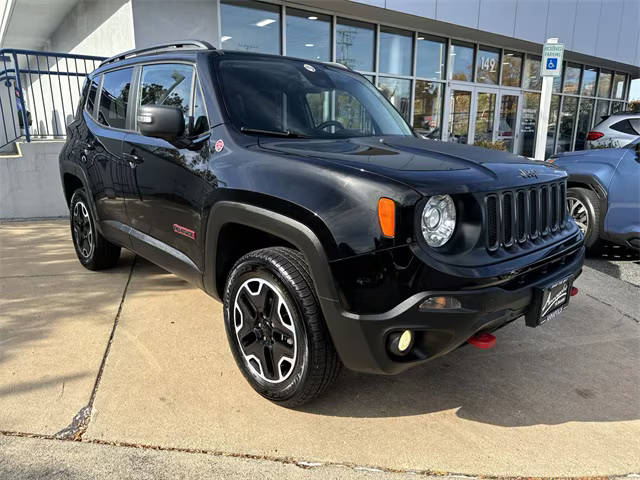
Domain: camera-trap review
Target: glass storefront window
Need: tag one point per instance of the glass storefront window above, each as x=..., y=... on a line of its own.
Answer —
x=617, y=107
x=459, y=113
x=551, y=125
x=430, y=58
x=618, y=86
x=511, y=69
x=571, y=79
x=461, y=63
x=250, y=26
x=557, y=81
x=589, y=77
x=395, y=51
x=398, y=91
x=567, y=121
x=584, y=121
x=487, y=66
x=308, y=35
x=532, y=78
x=355, y=44
x=604, y=84
x=427, y=108
x=528, y=123
x=602, y=110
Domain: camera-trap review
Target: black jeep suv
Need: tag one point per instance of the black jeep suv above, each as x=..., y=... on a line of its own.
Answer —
x=294, y=191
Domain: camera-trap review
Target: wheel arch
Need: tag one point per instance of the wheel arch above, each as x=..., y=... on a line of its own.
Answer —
x=592, y=183
x=228, y=217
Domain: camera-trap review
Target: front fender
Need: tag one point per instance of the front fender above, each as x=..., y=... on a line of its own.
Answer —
x=290, y=230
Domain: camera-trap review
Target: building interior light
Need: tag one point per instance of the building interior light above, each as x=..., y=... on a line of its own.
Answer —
x=265, y=22
x=225, y=38
x=420, y=38
x=309, y=45
x=312, y=17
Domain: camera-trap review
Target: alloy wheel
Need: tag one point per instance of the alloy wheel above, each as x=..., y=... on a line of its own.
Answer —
x=82, y=231
x=578, y=211
x=265, y=330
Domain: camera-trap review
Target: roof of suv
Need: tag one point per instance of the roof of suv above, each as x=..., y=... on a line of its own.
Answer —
x=191, y=46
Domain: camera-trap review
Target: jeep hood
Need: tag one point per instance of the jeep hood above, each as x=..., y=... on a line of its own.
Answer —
x=427, y=166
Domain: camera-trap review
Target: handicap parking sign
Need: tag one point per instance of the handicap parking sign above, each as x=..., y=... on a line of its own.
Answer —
x=552, y=54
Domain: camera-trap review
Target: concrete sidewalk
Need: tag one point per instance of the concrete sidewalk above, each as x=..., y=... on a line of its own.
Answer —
x=560, y=400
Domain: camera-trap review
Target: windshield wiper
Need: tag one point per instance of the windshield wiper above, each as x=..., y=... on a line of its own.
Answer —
x=275, y=133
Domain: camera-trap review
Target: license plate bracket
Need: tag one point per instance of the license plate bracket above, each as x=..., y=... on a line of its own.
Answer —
x=549, y=301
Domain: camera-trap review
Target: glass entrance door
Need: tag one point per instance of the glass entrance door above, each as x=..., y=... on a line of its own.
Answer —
x=507, y=128
x=459, y=114
x=484, y=116
x=478, y=115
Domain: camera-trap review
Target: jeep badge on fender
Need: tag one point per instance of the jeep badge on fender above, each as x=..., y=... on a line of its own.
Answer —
x=333, y=235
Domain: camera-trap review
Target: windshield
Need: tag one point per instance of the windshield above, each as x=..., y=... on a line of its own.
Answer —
x=287, y=97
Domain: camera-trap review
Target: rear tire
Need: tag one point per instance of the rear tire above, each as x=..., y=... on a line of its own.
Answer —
x=275, y=327
x=93, y=250
x=584, y=206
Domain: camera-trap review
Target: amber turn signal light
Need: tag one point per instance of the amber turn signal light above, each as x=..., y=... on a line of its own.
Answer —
x=387, y=216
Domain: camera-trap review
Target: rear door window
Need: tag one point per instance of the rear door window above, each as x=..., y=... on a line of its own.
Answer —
x=114, y=98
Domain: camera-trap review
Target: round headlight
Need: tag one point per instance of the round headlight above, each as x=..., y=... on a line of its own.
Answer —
x=438, y=220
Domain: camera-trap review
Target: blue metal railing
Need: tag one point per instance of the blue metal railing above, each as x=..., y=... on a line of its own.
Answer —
x=40, y=86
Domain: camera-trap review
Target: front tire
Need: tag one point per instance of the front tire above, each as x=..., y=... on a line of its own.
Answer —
x=275, y=327
x=93, y=250
x=584, y=206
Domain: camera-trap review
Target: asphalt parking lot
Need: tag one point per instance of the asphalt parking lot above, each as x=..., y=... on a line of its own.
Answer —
x=140, y=359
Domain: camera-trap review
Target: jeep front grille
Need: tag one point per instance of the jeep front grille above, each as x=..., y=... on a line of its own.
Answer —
x=517, y=216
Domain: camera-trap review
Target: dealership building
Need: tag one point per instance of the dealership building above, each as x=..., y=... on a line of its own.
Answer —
x=458, y=70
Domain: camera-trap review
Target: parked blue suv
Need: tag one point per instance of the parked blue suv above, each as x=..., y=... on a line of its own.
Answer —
x=604, y=193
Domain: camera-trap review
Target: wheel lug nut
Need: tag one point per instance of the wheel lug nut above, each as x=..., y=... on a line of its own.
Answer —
x=289, y=341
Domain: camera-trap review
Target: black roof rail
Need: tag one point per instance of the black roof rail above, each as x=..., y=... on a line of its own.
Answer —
x=199, y=44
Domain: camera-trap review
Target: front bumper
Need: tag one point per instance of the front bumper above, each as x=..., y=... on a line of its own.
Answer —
x=361, y=340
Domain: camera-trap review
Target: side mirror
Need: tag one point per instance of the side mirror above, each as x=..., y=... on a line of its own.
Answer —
x=161, y=121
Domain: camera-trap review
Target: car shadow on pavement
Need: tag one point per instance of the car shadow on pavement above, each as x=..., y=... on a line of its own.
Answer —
x=614, y=259
x=536, y=378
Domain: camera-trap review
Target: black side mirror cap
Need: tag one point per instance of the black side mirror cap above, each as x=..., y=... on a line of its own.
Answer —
x=161, y=121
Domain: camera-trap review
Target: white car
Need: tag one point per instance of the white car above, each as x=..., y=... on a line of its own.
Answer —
x=615, y=131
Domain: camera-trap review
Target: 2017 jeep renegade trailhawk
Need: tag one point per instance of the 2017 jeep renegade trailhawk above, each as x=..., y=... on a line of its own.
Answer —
x=296, y=193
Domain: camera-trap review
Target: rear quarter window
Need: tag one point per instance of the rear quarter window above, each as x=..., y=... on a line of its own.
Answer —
x=624, y=126
x=114, y=98
x=91, y=96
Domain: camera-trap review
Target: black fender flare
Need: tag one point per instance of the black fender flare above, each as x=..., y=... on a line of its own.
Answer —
x=68, y=167
x=293, y=231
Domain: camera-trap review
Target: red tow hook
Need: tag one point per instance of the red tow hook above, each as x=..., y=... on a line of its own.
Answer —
x=482, y=340
x=573, y=292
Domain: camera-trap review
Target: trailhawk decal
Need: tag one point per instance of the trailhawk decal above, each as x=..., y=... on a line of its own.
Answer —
x=180, y=230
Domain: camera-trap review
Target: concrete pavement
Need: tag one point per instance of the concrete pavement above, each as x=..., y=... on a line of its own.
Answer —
x=561, y=400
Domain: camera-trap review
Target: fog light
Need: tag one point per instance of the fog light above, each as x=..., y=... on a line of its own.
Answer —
x=405, y=340
x=400, y=343
x=440, y=303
